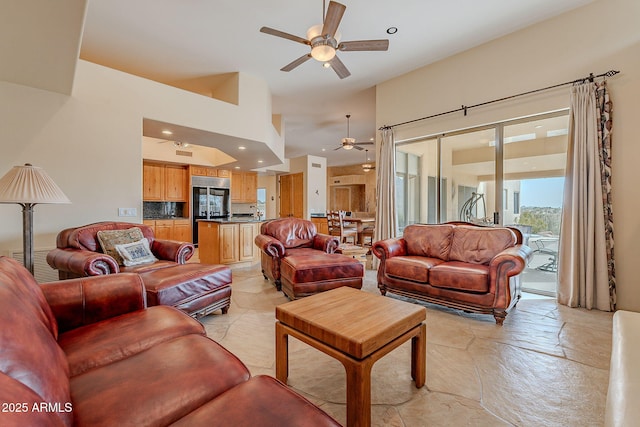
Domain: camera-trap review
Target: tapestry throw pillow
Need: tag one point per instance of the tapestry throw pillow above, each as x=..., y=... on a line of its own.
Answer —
x=136, y=253
x=110, y=238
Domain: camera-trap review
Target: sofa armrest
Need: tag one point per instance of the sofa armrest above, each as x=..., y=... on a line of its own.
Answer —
x=512, y=260
x=82, y=263
x=172, y=250
x=326, y=243
x=79, y=302
x=270, y=245
x=388, y=248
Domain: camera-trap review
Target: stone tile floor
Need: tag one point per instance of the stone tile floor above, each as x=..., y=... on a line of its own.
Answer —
x=547, y=366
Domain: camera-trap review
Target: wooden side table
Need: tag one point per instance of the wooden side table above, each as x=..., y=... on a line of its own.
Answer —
x=354, y=251
x=356, y=328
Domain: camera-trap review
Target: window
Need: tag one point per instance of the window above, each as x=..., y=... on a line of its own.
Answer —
x=516, y=202
x=407, y=189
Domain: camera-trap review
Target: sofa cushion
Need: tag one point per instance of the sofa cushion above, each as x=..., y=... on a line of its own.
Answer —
x=479, y=245
x=261, y=401
x=109, y=239
x=432, y=240
x=157, y=386
x=20, y=400
x=29, y=352
x=460, y=276
x=117, y=338
x=414, y=268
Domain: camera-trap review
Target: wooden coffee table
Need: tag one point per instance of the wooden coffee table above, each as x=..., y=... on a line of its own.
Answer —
x=357, y=328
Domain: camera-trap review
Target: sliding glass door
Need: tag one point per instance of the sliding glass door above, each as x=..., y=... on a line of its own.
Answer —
x=509, y=173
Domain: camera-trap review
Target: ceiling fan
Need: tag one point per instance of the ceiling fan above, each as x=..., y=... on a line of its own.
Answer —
x=350, y=143
x=324, y=43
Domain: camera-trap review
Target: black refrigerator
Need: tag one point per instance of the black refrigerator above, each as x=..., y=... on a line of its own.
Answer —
x=209, y=203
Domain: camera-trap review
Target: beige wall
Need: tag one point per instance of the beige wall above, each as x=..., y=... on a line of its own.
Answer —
x=601, y=36
x=90, y=143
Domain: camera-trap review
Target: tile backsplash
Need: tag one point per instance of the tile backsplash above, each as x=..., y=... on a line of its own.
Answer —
x=155, y=210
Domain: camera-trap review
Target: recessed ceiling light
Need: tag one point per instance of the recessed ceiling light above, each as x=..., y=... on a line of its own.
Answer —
x=392, y=30
x=237, y=167
x=324, y=149
x=167, y=132
x=326, y=65
x=242, y=147
x=259, y=161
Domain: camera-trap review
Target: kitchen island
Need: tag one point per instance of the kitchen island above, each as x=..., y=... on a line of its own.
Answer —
x=229, y=241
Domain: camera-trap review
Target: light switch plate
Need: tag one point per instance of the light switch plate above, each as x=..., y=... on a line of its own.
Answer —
x=127, y=212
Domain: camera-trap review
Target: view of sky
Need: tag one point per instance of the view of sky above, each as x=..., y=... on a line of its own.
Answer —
x=543, y=192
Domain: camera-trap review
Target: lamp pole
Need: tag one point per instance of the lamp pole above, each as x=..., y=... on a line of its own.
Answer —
x=27, y=235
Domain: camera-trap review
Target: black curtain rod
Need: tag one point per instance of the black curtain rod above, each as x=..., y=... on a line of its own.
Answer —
x=465, y=108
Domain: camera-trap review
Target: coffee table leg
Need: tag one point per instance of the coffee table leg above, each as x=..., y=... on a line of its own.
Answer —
x=419, y=356
x=282, y=353
x=358, y=392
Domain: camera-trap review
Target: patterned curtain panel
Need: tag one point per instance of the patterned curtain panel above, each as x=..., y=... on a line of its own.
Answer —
x=604, y=109
x=385, y=187
x=586, y=273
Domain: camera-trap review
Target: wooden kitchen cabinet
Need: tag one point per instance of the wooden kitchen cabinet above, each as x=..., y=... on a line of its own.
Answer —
x=152, y=181
x=209, y=171
x=164, y=182
x=176, y=183
x=228, y=243
x=244, y=187
x=170, y=229
x=181, y=230
x=248, y=251
x=321, y=224
x=164, y=229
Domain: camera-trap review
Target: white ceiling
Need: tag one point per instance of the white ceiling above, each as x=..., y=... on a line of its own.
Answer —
x=170, y=41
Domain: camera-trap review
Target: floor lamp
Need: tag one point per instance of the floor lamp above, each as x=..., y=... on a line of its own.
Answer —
x=27, y=186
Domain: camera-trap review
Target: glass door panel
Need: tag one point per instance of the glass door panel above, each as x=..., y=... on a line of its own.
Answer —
x=534, y=154
x=467, y=177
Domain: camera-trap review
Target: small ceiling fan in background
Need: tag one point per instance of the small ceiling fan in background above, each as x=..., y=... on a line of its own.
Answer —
x=349, y=143
x=323, y=42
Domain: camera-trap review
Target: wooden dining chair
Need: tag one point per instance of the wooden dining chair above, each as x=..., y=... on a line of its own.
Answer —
x=338, y=228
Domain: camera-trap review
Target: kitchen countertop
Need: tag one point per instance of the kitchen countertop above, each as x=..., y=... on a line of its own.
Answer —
x=164, y=217
x=232, y=220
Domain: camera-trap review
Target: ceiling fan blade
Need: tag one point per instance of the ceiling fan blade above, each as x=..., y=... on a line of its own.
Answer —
x=364, y=45
x=333, y=18
x=339, y=67
x=337, y=148
x=363, y=143
x=357, y=148
x=284, y=35
x=294, y=64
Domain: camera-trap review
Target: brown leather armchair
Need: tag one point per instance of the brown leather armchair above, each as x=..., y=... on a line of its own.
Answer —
x=79, y=254
x=282, y=237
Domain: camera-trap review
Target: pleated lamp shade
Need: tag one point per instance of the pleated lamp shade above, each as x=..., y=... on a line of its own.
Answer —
x=30, y=184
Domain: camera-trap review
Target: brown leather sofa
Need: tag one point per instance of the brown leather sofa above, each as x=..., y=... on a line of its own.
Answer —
x=461, y=266
x=283, y=237
x=86, y=352
x=78, y=252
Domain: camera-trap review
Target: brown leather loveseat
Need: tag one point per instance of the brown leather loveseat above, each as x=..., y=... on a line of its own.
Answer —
x=461, y=266
x=86, y=352
x=283, y=237
x=79, y=254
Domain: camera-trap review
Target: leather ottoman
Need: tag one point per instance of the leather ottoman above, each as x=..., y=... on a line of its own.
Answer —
x=197, y=289
x=304, y=275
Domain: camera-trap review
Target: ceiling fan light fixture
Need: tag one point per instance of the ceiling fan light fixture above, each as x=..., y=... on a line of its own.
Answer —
x=323, y=52
x=347, y=143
